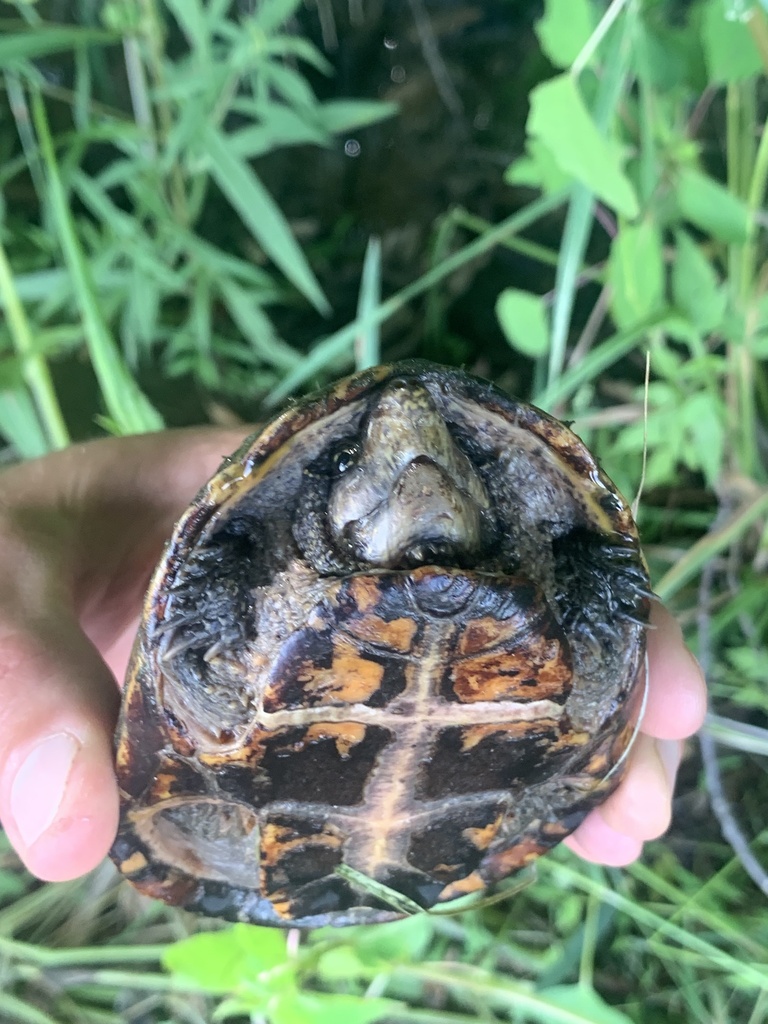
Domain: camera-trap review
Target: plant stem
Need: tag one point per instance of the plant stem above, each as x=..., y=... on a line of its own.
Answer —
x=33, y=365
x=85, y=956
x=339, y=345
x=154, y=40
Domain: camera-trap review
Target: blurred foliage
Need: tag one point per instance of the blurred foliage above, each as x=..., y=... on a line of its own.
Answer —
x=152, y=152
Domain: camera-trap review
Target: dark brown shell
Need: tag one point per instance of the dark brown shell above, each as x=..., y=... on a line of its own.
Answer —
x=290, y=711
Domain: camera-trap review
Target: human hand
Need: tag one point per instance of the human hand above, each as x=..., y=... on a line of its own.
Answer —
x=80, y=532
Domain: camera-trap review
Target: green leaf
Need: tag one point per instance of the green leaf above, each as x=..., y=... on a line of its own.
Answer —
x=702, y=423
x=191, y=18
x=19, y=423
x=127, y=406
x=304, y=1007
x=729, y=49
x=561, y=120
x=246, y=311
x=345, y=115
x=636, y=273
x=271, y=14
x=538, y=169
x=585, y=1005
x=396, y=941
x=711, y=207
x=339, y=963
x=695, y=287
x=564, y=29
x=222, y=962
x=262, y=216
x=17, y=45
x=523, y=319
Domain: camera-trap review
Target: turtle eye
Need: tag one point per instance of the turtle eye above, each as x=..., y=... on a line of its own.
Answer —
x=345, y=458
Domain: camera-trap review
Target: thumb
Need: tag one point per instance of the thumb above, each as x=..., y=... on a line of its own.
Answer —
x=58, y=703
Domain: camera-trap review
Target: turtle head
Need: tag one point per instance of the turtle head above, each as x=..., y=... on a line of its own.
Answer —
x=405, y=494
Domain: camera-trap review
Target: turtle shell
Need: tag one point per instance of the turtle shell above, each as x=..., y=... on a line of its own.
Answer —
x=395, y=645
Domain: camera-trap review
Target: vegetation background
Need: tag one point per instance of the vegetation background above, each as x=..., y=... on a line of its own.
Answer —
x=211, y=205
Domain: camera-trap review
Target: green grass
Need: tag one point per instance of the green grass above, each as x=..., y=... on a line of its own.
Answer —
x=143, y=253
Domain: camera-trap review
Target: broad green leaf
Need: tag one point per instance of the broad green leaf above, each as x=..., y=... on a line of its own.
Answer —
x=729, y=49
x=702, y=422
x=695, y=287
x=538, y=169
x=523, y=319
x=711, y=207
x=222, y=962
x=564, y=29
x=636, y=273
x=561, y=120
x=339, y=963
x=673, y=56
x=262, y=216
x=305, y=1007
x=585, y=1004
x=396, y=941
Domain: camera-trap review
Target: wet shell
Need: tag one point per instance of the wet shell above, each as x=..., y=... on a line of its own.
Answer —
x=401, y=631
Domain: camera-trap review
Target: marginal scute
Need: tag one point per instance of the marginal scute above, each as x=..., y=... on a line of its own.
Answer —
x=406, y=675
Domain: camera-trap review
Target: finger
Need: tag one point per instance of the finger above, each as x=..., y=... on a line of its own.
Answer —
x=638, y=810
x=58, y=796
x=677, y=693
x=642, y=805
x=594, y=840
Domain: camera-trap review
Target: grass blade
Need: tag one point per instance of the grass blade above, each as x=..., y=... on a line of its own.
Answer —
x=262, y=216
x=338, y=347
x=20, y=425
x=33, y=366
x=127, y=407
x=368, y=342
x=37, y=42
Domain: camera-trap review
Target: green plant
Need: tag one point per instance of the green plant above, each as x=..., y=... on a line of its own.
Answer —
x=648, y=133
x=122, y=259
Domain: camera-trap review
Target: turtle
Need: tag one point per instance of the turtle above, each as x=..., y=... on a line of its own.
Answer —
x=395, y=645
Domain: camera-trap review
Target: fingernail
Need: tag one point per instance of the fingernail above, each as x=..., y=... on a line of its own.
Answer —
x=670, y=753
x=38, y=788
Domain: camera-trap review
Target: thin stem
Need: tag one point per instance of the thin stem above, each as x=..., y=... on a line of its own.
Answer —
x=85, y=956
x=588, y=49
x=589, y=942
x=19, y=1010
x=155, y=48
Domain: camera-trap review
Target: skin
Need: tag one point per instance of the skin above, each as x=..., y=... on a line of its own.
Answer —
x=80, y=532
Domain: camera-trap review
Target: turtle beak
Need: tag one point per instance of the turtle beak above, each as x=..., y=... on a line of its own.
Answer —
x=424, y=519
x=413, y=497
